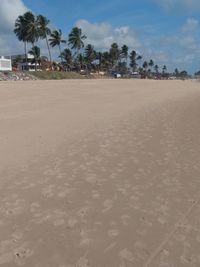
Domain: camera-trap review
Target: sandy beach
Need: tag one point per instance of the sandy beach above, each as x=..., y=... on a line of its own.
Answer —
x=100, y=173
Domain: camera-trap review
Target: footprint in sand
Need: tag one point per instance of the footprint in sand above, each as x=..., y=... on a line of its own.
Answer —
x=113, y=232
x=8, y=254
x=82, y=262
x=95, y=194
x=91, y=178
x=22, y=253
x=162, y=220
x=34, y=207
x=63, y=193
x=14, y=208
x=72, y=222
x=113, y=175
x=85, y=240
x=108, y=204
x=126, y=255
x=17, y=235
x=48, y=191
x=59, y=222
x=110, y=247
x=164, y=259
x=83, y=212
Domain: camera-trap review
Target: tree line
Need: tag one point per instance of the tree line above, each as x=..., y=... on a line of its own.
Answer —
x=76, y=56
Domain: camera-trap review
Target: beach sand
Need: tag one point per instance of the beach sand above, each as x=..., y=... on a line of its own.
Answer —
x=100, y=173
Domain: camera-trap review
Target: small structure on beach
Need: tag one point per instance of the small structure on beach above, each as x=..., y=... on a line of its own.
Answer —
x=5, y=64
x=25, y=62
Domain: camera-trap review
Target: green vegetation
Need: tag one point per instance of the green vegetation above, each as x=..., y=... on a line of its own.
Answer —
x=76, y=56
x=57, y=75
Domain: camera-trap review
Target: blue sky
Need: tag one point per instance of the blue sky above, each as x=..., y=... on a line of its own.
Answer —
x=167, y=31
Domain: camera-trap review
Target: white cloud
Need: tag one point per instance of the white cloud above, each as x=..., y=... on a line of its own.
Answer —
x=102, y=35
x=190, y=25
x=180, y=49
x=9, y=11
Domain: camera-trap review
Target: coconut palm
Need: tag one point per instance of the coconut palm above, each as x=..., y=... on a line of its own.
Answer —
x=139, y=58
x=35, y=51
x=66, y=55
x=156, y=68
x=81, y=61
x=114, y=53
x=133, y=57
x=76, y=39
x=164, y=68
x=176, y=72
x=56, y=39
x=124, y=53
x=106, y=61
x=145, y=65
x=21, y=29
x=99, y=58
x=90, y=55
x=32, y=28
x=21, y=32
x=151, y=63
x=44, y=30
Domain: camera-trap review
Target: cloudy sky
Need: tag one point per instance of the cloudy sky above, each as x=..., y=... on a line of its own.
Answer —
x=167, y=31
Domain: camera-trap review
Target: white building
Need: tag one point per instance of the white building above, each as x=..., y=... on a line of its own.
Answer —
x=5, y=64
x=23, y=65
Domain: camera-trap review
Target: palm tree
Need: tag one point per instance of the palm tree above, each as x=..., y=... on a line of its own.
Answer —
x=145, y=65
x=156, y=68
x=56, y=39
x=21, y=32
x=106, y=61
x=176, y=72
x=90, y=54
x=134, y=57
x=35, y=51
x=26, y=30
x=76, y=38
x=114, y=53
x=80, y=61
x=133, y=63
x=124, y=55
x=151, y=63
x=44, y=30
x=124, y=52
x=164, y=68
x=99, y=57
x=66, y=55
x=32, y=28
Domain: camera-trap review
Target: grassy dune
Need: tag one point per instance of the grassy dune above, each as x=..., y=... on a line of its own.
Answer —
x=57, y=75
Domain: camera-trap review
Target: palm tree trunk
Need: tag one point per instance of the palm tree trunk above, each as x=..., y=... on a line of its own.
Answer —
x=33, y=44
x=126, y=62
x=60, y=52
x=25, y=55
x=59, y=49
x=48, y=48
